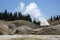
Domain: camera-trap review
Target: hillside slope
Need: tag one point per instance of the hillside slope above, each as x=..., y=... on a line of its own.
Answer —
x=54, y=22
x=57, y=27
x=24, y=27
x=9, y=27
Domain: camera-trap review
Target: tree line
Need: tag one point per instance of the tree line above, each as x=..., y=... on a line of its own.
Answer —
x=56, y=17
x=9, y=16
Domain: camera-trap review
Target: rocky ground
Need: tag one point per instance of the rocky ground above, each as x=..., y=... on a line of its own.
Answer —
x=25, y=28
x=30, y=37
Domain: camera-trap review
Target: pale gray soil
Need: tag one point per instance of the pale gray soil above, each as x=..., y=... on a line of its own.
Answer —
x=30, y=37
x=57, y=27
x=26, y=28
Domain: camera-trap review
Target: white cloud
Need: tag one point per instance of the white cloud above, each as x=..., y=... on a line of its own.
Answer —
x=33, y=10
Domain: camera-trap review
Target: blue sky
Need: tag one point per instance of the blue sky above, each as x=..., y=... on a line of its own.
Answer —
x=47, y=7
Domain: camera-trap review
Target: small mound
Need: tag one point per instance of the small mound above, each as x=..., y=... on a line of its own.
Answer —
x=46, y=31
x=23, y=30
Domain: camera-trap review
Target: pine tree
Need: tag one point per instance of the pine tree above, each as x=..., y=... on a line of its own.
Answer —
x=19, y=16
x=28, y=18
x=15, y=16
x=54, y=18
x=58, y=16
x=51, y=18
x=38, y=23
x=10, y=16
x=5, y=14
x=34, y=21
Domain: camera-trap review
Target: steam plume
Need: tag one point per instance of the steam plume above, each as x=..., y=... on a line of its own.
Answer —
x=34, y=11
